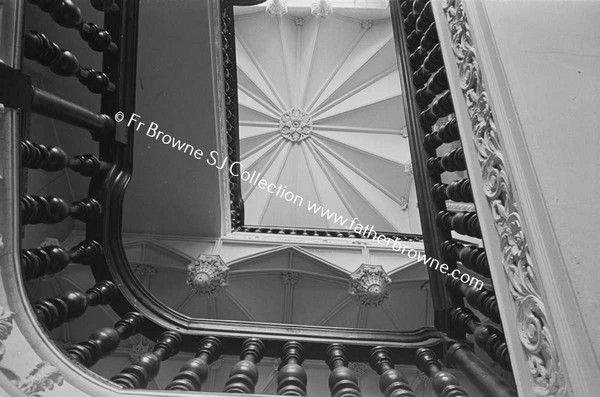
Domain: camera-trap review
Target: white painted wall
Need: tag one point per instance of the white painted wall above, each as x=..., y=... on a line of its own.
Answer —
x=550, y=52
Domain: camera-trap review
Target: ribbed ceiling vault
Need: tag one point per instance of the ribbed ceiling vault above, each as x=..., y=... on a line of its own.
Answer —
x=333, y=85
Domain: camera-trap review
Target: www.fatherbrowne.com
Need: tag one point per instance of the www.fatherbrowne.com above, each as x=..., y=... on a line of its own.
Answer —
x=236, y=168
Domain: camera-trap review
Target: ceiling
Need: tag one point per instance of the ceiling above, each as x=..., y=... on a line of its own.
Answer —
x=321, y=114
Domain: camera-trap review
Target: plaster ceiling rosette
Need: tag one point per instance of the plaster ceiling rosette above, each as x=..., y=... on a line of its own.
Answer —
x=321, y=113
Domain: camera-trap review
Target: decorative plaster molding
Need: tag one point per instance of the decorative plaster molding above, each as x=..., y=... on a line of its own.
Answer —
x=43, y=377
x=141, y=345
x=299, y=21
x=290, y=278
x=408, y=169
x=369, y=284
x=321, y=8
x=6, y=326
x=535, y=331
x=208, y=274
x=366, y=24
x=403, y=203
x=359, y=369
x=142, y=270
x=49, y=241
x=295, y=125
x=277, y=8
x=404, y=132
x=456, y=206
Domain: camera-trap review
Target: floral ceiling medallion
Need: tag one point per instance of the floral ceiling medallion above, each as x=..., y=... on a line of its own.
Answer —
x=295, y=125
x=369, y=284
x=321, y=8
x=207, y=275
x=277, y=8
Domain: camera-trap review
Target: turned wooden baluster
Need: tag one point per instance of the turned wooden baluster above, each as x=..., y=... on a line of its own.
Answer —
x=146, y=367
x=52, y=158
x=437, y=84
x=432, y=63
x=471, y=257
x=444, y=383
x=459, y=190
x=53, y=312
x=193, y=373
x=64, y=63
x=483, y=300
x=483, y=377
x=488, y=337
x=454, y=160
x=391, y=382
x=291, y=379
x=442, y=107
x=466, y=223
x=104, y=341
x=38, y=262
x=342, y=380
x=49, y=210
x=68, y=15
x=244, y=374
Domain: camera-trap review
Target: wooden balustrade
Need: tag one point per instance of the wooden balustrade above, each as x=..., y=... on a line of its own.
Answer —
x=391, y=382
x=431, y=64
x=442, y=107
x=465, y=223
x=291, y=378
x=38, y=262
x=193, y=373
x=437, y=83
x=452, y=161
x=53, y=312
x=487, y=381
x=472, y=257
x=244, y=374
x=68, y=15
x=64, y=63
x=444, y=383
x=104, y=341
x=16, y=91
x=146, y=367
x=488, y=337
x=342, y=380
x=483, y=300
x=459, y=190
x=49, y=210
x=53, y=158
x=425, y=19
x=447, y=133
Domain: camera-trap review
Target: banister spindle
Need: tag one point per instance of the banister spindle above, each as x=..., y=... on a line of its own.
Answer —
x=488, y=337
x=481, y=299
x=472, y=257
x=291, y=378
x=444, y=383
x=68, y=15
x=454, y=160
x=487, y=381
x=104, y=341
x=63, y=63
x=21, y=94
x=193, y=373
x=432, y=63
x=49, y=210
x=38, y=262
x=53, y=158
x=392, y=382
x=105, y=5
x=244, y=374
x=146, y=367
x=342, y=380
x=466, y=223
x=53, y=312
x=442, y=107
